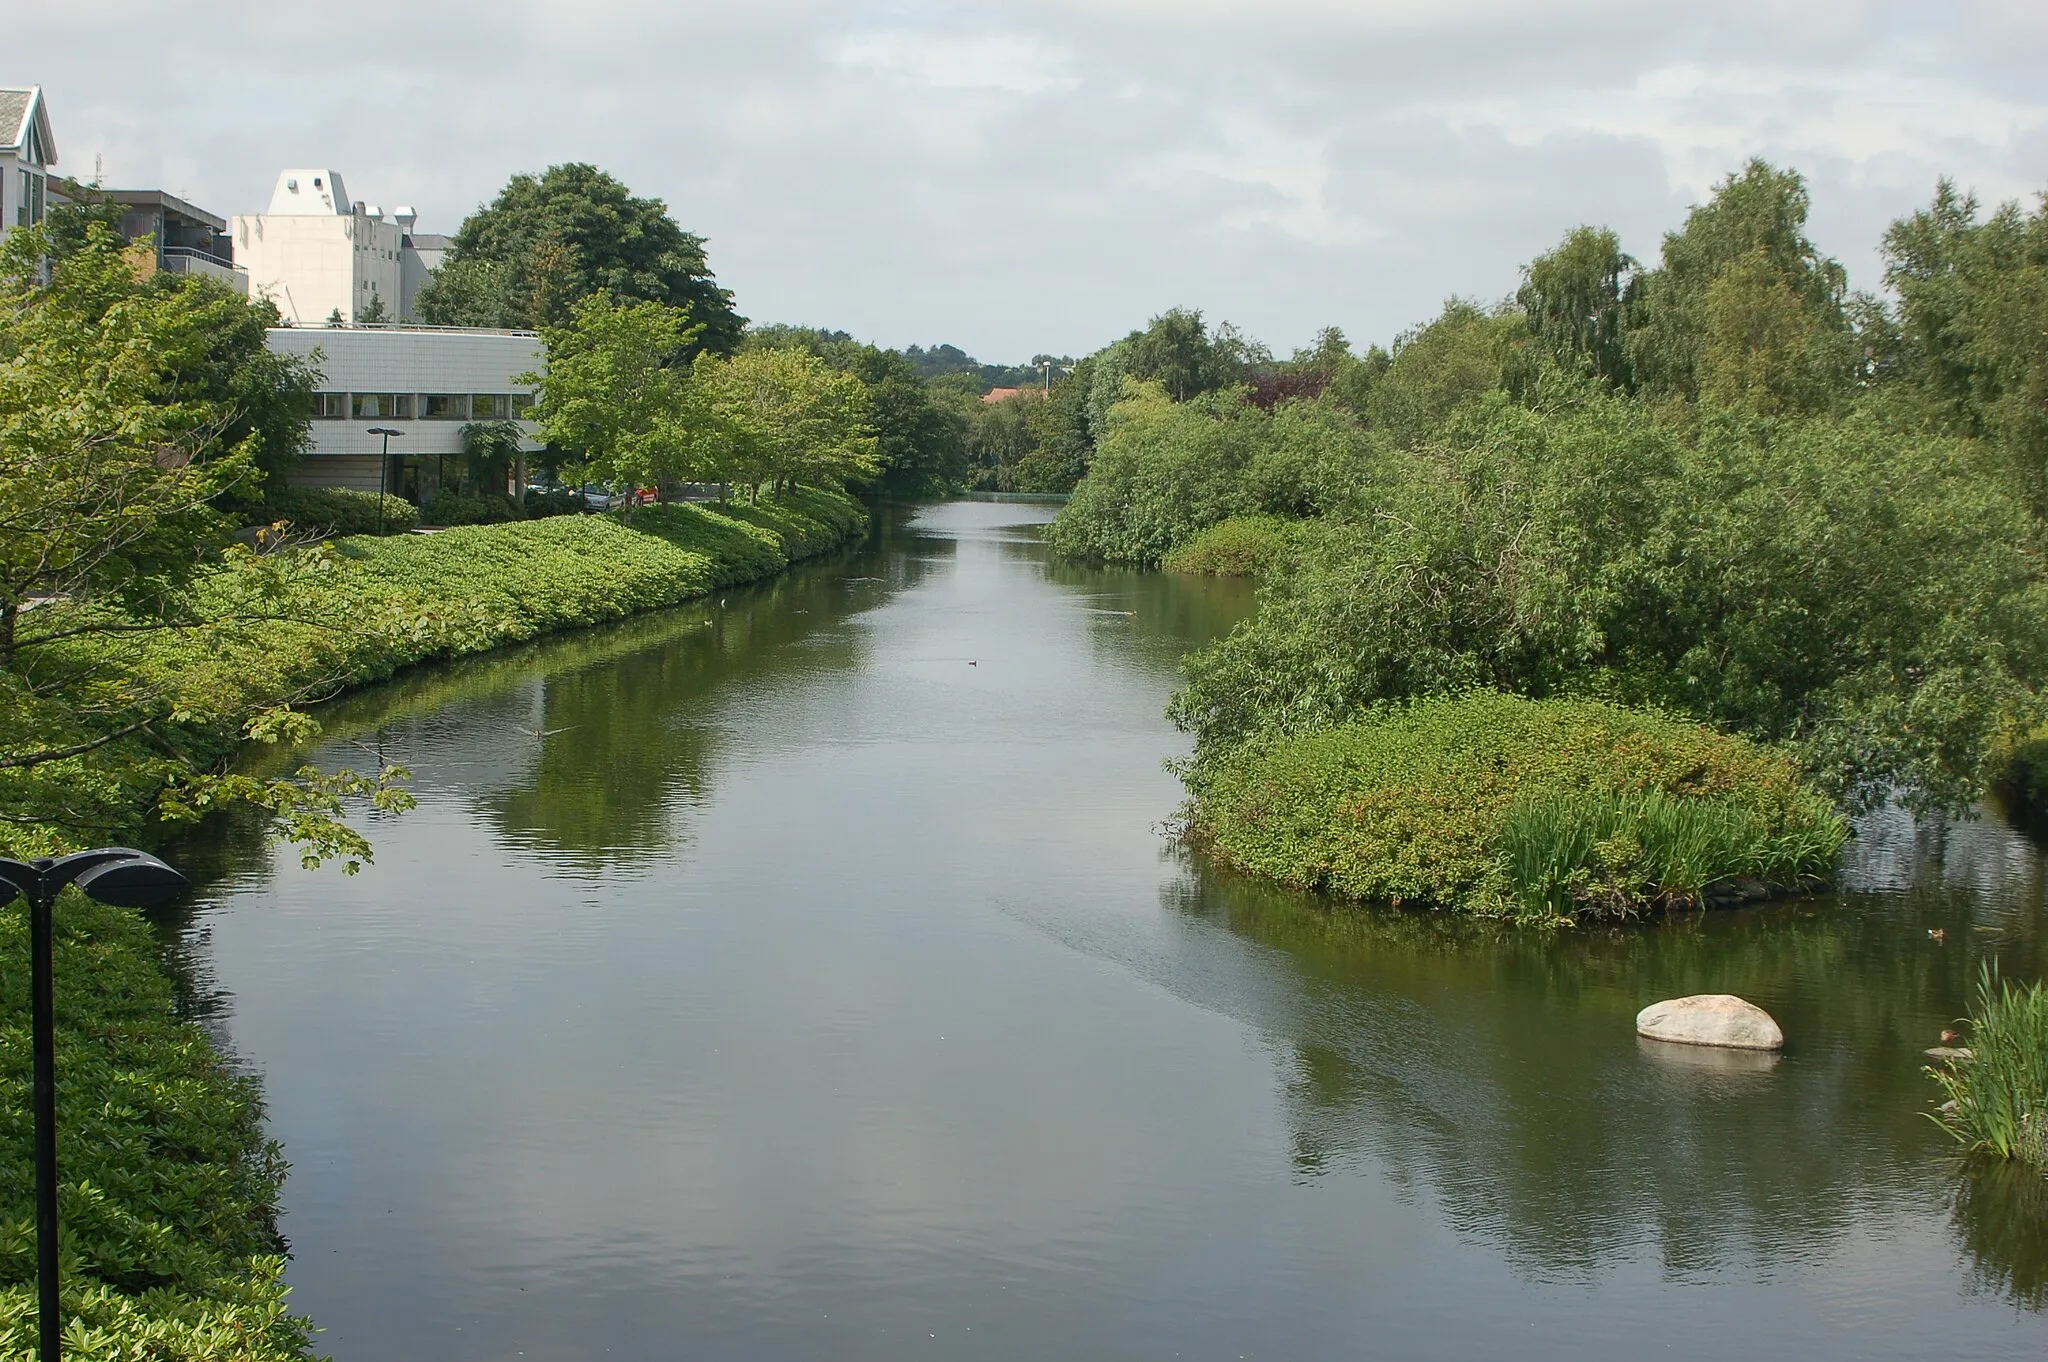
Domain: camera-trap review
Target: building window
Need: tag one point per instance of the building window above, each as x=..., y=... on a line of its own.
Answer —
x=522, y=406
x=382, y=406
x=330, y=406
x=446, y=407
x=491, y=406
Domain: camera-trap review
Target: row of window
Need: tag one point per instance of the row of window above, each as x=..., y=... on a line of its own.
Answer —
x=423, y=406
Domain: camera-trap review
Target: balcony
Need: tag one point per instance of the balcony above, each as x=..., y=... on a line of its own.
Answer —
x=186, y=260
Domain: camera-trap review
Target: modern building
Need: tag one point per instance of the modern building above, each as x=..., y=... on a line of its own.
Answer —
x=426, y=382
x=27, y=151
x=187, y=240
x=317, y=253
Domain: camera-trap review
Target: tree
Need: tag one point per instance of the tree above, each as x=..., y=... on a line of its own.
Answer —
x=1784, y=307
x=919, y=437
x=784, y=416
x=1177, y=352
x=1578, y=298
x=1971, y=346
x=549, y=241
x=619, y=396
x=124, y=421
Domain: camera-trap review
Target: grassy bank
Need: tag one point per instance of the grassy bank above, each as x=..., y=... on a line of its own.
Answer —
x=366, y=608
x=1501, y=806
x=169, y=1187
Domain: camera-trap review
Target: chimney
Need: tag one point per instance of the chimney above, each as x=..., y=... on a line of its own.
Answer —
x=406, y=217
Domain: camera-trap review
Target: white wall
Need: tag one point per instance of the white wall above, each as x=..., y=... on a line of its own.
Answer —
x=310, y=266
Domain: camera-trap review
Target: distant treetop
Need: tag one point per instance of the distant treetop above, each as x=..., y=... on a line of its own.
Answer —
x=549, y=240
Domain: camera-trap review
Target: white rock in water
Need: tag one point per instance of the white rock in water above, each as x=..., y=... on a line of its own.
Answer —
x=1710, y=1019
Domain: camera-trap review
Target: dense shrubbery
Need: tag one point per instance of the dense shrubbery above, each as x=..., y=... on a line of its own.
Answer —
x=1494, y=804
x=1998, y=1097
x=340, y=511
x=455, y=508
x=170, y=1188
x=558, y=501
x=362, y=608
x=1242, y=546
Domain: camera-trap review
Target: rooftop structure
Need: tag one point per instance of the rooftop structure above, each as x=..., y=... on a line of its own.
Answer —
x=318, y=254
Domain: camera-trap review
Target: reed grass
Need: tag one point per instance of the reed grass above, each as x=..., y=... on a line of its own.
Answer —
x=1611, y=854
x=1998, y=1097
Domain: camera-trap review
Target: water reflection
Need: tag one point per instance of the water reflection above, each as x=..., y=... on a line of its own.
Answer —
x=797, y=975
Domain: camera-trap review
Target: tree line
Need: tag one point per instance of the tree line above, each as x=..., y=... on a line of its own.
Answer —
x=1721, y=484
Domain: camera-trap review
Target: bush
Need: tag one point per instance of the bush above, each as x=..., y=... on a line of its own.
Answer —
x=1243, y=546
x=559, y=501
x=169, y=1187
x=451, y=508
x=1493, y=804
x=340, y=510
x=1998, y=1097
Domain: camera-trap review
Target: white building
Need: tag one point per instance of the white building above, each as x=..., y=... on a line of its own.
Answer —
x=316, y=252
x=427, y=383
x=27, y=151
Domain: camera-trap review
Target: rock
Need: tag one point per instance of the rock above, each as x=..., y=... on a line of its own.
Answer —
x=1948, y=1052
x=1710, y=1019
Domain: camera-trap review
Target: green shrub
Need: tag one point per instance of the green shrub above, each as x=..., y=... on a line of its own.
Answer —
x=1489, y=803
x=450, y=508
x=1998, y=1097
x=339, y=511
x=1243, y=546
x=560, y=501
x=169, y=1187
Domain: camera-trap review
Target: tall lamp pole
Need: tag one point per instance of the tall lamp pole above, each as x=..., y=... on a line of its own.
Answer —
x=116, y=875
x=383, y=462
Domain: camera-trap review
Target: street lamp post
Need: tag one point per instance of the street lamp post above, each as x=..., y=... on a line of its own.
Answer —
x=116, y=875
x=383, y=462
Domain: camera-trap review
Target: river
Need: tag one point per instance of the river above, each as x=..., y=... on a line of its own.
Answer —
x=805, y=975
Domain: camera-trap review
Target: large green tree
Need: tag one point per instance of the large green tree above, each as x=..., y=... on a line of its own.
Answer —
x=1971, y=338
x=919, y=434
x=550, y=240
x=785, y=416
x=1745, y=309
x=620, y=398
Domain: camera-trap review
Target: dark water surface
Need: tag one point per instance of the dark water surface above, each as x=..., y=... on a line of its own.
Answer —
x=818, y=987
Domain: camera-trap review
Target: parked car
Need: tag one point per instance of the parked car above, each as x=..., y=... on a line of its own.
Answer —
x=597, y=496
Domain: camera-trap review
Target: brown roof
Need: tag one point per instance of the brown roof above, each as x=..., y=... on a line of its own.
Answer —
x=1000, y=394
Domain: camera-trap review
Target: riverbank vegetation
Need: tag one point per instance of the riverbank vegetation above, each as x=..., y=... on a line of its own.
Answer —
x=170, y=1188
x=1512, y=807
x=1998, y=1095
x=1720, y=487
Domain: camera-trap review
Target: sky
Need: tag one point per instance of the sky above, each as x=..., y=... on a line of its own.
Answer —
x=1044, y=177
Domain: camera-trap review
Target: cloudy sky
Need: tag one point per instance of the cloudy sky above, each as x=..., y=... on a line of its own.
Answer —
x=1044, y=176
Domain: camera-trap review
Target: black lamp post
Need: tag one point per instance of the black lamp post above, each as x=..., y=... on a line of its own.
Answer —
x=117, y=875
x=383, y=462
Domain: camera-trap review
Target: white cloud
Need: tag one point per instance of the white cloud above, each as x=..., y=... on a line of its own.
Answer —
x=989, y=61
x=1044, y=178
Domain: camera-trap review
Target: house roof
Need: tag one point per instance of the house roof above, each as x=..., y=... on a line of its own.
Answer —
x=22, y=108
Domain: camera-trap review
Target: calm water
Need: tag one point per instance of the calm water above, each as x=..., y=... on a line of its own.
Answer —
x=804, y=977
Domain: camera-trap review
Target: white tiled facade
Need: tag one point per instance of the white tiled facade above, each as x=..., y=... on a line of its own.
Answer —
x=427, y=383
